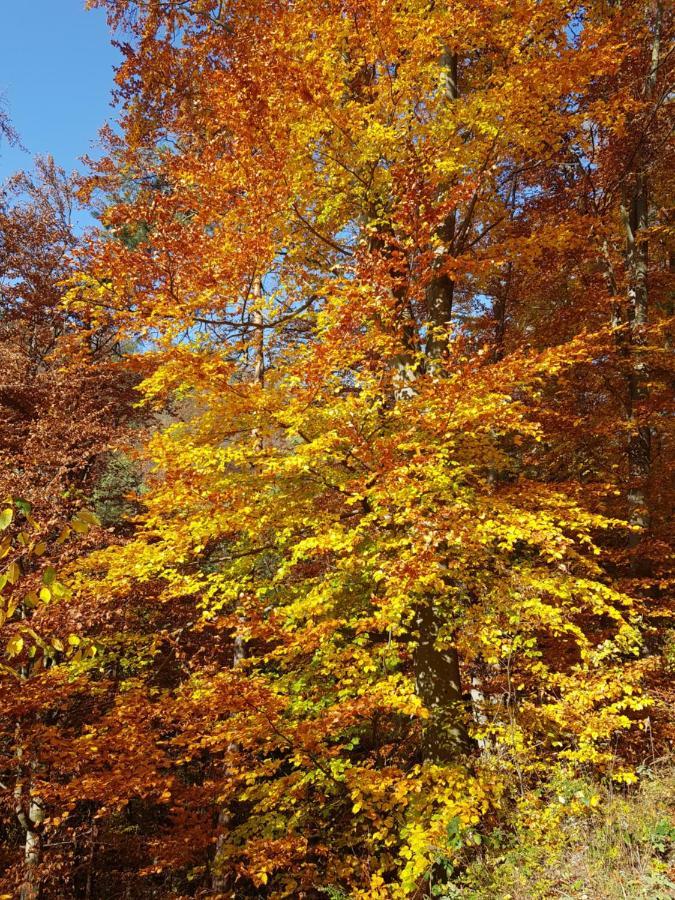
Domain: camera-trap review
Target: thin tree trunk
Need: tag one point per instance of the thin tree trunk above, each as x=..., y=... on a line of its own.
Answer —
x=89, y=884
x=222, y=882
x=635, y=214
x=258, y=324
x=31, y=815
x=30, y=889
x=499, y=310
x=441, y=288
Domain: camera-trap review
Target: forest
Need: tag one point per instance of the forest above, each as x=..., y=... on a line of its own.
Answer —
x=336, y=460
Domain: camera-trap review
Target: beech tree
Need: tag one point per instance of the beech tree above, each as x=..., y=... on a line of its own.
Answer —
x=396, y=278
x=62, y=399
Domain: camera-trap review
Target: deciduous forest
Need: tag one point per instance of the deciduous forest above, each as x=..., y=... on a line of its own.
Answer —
x=336, y=461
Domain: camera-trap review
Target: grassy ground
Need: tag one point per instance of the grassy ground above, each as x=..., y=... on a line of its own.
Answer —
x=578, y=839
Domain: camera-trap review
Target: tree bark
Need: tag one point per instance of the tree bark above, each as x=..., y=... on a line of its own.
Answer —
x=438, y=683
x=635, y=214
x=437, y=670
x=441, y=288
x=30, y=889
x=220, y=883
x=31, y=816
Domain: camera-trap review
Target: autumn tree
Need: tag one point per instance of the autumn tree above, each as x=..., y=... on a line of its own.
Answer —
x=63, y=398
x=400, y=551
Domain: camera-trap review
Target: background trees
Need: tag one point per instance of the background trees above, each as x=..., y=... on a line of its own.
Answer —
x=63, y=399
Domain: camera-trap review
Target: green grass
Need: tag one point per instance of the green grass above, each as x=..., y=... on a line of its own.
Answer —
x=577, y=840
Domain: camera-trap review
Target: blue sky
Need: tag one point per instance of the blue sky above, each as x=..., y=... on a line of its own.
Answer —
x=56, y=75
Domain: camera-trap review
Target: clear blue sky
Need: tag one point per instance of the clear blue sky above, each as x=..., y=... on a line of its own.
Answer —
x=56, y=75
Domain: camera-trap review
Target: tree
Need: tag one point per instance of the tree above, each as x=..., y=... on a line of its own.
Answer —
x=382, y=268
x=381, y=521
x=62, y=400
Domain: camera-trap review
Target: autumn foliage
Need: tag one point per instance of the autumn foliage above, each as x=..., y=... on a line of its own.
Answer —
x=391, y=283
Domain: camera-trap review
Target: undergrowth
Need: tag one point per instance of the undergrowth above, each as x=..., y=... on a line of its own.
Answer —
x=573, y=838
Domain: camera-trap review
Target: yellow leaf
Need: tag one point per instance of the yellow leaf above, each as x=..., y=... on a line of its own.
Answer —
x=85, y=515
x=65, y=534
x=15, y=645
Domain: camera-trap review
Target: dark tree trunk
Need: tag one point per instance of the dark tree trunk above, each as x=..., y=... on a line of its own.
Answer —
x=437, y=670
x=438, y=683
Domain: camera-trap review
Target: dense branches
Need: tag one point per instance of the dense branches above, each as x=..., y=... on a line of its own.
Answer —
x=396, y=279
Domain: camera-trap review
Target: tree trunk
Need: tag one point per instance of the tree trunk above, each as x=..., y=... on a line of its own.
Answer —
x=437, y=678
x=635, y=214
x=30, y=889
x=259, y=325
x=437, y=671
x=220, y=883
x=441, y=289
x=30, y=816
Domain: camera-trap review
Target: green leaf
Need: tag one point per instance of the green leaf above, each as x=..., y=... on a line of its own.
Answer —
x=6, y=517
x=23, y=505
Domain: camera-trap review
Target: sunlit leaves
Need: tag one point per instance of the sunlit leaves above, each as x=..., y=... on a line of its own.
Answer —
x=332, y=457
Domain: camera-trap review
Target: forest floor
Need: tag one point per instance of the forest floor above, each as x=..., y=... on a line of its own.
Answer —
x=618, y=843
